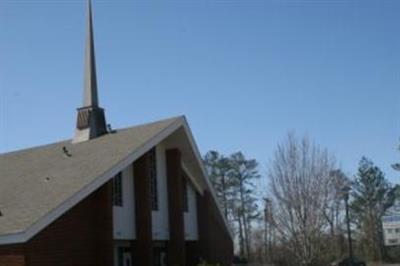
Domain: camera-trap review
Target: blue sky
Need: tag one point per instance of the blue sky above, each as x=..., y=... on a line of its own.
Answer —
x=243, y=72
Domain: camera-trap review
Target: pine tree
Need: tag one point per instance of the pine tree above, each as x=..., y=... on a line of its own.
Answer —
x=233, y=180
x=218, y=168
x=243, y=174
x=372, y=196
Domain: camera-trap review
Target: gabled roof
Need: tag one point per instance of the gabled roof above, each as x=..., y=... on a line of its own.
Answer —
x=34, y=182
x=38, y=185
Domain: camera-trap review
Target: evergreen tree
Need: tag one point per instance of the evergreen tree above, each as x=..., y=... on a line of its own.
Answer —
x=218, y=168
x=243, y=174
x=233, y=181
x=372, y=196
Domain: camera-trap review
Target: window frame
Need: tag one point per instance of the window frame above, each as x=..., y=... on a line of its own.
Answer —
x=185, y=196
x=118, y=188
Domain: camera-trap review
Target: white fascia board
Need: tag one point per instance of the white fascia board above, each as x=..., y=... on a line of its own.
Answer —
x=98, y=182
x=205, y=175
x=12, y=238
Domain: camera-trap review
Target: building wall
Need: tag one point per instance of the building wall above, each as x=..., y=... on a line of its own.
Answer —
x=12, y=255
x=142, y=247
x=391, y=230
x=176, y=244
x=84, y=236
x=193, y=253
x=191, y=232
x=215, y=244
x=124, y=216
x=160, y=224
x=81, y=237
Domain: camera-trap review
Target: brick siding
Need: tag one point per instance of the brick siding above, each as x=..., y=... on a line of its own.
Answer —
x=81, y=237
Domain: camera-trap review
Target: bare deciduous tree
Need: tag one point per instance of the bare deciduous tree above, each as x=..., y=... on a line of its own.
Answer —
x=300, y=188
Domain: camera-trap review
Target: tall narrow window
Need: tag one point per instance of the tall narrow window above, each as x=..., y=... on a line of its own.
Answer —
x=117, y=190
x=153, y=180
x=185, y=195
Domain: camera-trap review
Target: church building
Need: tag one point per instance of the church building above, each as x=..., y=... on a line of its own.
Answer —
x=131, y=196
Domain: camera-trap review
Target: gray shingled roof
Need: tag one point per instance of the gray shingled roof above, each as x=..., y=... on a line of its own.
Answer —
x=35, y=181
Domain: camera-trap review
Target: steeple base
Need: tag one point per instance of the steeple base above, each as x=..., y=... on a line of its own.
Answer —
x=91, y=123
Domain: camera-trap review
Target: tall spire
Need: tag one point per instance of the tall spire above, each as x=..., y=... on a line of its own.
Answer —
x=91, y=122
x=90, y=97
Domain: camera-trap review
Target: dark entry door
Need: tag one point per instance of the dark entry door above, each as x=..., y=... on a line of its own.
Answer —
x=124, y=257
x=160, y=255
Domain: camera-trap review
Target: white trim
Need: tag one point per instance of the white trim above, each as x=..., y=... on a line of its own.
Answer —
x=87, y=190
x=12, y=238
x=98, y=182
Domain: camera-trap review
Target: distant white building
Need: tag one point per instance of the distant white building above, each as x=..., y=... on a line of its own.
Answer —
x=391, y=229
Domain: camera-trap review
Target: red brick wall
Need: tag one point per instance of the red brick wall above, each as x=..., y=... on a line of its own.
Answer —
x=176, y=244
x=215, y=243
x=142, y=248
x=12, y=260
x=12, y=255
x=80, y=237
x=192, y=253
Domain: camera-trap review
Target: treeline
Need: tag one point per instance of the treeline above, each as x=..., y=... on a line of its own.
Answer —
x=299, y=219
